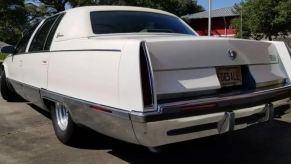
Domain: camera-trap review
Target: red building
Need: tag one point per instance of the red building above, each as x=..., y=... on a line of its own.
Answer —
x=221, y=19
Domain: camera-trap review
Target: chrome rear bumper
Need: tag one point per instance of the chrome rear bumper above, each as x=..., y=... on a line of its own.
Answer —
x=186, y=120
x=164, y=132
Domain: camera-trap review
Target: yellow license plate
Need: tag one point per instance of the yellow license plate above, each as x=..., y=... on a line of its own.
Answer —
x=229, y=76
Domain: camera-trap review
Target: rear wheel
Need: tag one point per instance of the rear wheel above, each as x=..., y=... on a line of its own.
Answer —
x=65, y=128
x=7, y=91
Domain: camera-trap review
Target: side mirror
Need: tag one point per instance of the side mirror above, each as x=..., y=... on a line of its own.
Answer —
x=7, y=50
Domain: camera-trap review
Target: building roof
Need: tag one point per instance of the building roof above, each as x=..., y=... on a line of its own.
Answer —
x=2, y=44
x=223, y=12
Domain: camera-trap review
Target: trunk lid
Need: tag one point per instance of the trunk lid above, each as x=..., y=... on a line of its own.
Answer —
x=211, y=52
x=191, y=66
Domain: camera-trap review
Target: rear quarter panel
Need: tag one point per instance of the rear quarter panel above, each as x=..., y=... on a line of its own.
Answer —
x=88, y=72
x=90, y=75
x=110, y=78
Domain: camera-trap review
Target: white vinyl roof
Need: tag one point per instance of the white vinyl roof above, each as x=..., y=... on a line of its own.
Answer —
x=77, y=24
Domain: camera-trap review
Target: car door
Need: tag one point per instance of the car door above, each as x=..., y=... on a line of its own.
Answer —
x=15, y=63
x=35, y=62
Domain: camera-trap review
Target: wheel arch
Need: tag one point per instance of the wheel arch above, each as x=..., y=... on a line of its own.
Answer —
x=48, y=103
x=4, y=68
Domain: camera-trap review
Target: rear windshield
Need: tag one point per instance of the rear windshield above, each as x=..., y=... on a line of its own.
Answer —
x=106, y=22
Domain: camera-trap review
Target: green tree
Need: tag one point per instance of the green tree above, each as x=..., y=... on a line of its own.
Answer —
x=178, y=7
x=77, y=3
x=54, y=6
x=16, y=16
x=13, y=17
x=264, y=18
x=36, y=12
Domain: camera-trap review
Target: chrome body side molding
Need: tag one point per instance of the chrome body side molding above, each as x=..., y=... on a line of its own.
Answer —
x=112, y=122
x=29, y=93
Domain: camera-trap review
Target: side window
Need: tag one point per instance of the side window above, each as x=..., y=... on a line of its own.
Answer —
x=52, y=32
x=22, y=44
x=39, y=39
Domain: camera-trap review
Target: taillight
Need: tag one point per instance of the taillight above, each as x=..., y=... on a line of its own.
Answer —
x=146, y=78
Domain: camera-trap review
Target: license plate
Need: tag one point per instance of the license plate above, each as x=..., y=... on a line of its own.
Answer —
x=229, y=76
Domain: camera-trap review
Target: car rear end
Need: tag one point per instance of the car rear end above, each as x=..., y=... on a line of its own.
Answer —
x=175, y=86
x=198, y=87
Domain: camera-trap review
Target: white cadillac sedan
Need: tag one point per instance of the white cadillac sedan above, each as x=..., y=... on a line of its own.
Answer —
x=144, y=76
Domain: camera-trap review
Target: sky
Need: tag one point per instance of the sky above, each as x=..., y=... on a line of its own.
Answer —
x=216, y=4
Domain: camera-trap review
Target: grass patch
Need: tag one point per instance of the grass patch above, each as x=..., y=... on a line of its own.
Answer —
x=2, y=56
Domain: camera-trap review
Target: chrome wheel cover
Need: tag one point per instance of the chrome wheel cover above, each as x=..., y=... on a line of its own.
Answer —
x=62, y=115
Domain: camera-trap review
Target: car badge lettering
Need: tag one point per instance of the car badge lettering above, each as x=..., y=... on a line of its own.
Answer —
x=232, y=54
